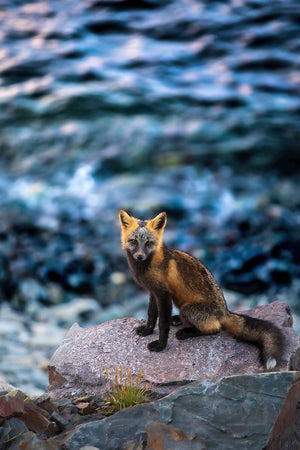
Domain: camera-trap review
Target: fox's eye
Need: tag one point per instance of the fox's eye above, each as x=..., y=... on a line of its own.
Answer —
x=149, y=243
x=133, y=241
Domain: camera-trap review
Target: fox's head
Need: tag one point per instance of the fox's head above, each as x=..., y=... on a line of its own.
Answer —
x=141, y=238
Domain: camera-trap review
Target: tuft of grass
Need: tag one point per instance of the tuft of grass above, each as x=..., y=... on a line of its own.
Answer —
x=126, y=392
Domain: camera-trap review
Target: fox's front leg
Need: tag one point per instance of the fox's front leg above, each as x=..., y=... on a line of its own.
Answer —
x=145, y=330
x=164, y=302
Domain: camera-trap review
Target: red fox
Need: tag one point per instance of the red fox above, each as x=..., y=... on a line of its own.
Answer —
x=174, y=275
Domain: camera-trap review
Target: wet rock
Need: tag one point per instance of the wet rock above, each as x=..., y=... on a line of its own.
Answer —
x=280, y=273
x=246, y=283
x=7, y=283
x=288, y=250
x=78, y=275
x=256, y=271
x=262, y=410
x=78, y=365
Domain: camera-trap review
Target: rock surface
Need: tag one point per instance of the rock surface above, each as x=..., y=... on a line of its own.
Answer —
x=78, y=365
x=248, y=412
x=243, y=411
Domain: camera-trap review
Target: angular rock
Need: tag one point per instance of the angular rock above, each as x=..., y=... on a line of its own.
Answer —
x=37, y=422
x=78, y=365
x=85, y=408
x=61, y=422
x=245, y=411
x=4, y=434
x=44, y=402
x=17, y=404
x=16, y=426
x=12, y=428
x=11, y=405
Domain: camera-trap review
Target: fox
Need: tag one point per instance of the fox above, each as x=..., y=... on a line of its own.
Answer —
x=171, y=275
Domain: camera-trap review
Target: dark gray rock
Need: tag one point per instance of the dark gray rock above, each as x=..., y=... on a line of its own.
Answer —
x=257, y=270
x=14, y=428
x=78, y=365
x=247, y=411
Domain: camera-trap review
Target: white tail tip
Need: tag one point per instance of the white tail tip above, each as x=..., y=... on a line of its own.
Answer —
x=271, y=363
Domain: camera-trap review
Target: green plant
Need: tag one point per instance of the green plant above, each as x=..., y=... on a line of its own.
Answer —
x=126, y=392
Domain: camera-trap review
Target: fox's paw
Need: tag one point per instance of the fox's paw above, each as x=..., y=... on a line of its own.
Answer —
x=156, y=346
x=143, y=330
x=187, y=332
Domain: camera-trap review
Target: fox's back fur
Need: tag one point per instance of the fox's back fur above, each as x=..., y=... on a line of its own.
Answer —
x=175, y=275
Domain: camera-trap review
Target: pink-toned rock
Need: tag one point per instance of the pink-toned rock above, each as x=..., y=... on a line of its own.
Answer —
x=85, y=408
x=78, y=365
x=11, y=405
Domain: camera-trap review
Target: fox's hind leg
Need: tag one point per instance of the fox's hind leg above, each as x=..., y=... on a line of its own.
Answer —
x=199, y=319
x=187, y=332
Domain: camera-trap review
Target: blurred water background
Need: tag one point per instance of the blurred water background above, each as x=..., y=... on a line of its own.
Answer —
x=185, y=106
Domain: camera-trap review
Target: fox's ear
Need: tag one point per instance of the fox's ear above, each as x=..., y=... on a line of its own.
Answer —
x=159, y=222
x=125, y=219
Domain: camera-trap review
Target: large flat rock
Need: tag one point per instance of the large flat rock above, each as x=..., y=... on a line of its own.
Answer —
x=232, y=413
x=78, y=365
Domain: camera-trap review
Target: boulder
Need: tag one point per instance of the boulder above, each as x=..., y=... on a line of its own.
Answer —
x=245, y=411
x=79, y=365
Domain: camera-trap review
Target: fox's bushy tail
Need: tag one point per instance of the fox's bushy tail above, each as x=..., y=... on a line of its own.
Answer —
x=266, y=336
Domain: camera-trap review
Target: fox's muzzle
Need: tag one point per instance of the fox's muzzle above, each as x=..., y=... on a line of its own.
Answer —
x=139, y=257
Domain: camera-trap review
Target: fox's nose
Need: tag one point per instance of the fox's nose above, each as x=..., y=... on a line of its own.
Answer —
x=140, y=257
